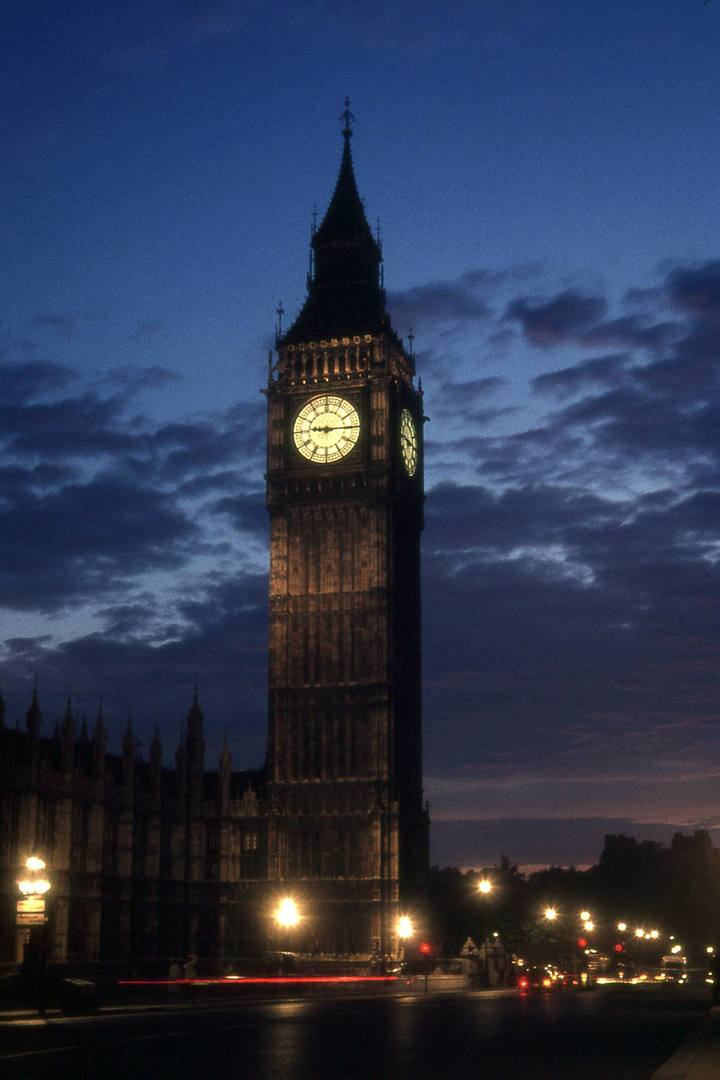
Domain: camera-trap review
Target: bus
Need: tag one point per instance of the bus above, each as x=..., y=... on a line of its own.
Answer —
x=674, y=968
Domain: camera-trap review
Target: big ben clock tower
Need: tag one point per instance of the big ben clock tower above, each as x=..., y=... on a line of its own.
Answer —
x=348, y=831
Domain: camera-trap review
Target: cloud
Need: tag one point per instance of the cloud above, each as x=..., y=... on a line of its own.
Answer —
x=247, y=512
x=91, y=503
x=29, y=381
x=695, y=290
x=59, y=324
x=439, y=302
x=459, y=302
x=148, y=331
x=569, y=381
x=85, y=540
x=560, y=321
x=469, y=400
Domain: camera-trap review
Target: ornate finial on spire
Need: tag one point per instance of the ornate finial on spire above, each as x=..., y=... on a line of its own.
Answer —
x=279, y=311
x=156, y=745
x=346, y=117
x=311, y=252
x=411, y=341
x=33, y=718
x=99, y=729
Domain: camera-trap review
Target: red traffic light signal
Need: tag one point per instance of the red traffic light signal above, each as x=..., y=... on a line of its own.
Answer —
x=426, y=948
x=582, y=942
x=618, y=948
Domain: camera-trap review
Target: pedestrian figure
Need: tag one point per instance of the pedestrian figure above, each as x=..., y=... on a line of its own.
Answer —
x=175, y=975
x=716, y=979
x=190, y=973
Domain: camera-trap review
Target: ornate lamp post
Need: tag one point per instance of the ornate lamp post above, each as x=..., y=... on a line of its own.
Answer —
x=404, y=932
x=31, y=915
x=485, y=888
x=287, y=917
x=34, y=887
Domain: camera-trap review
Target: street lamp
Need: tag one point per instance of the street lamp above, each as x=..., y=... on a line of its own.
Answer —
x=404, y=932
x=31, y=913
x=287, y=916
x=405, y=927
x=485, y=888
x=35, y=883
x=550, y=914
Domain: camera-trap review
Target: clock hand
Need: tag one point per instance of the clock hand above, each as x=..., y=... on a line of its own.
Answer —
x=332, y=427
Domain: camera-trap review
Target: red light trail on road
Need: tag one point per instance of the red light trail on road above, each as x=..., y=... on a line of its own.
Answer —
x=242, y=980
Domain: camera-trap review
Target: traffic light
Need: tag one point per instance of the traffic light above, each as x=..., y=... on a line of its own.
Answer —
x=582, y=942
x=618, y=947
x=427, y=956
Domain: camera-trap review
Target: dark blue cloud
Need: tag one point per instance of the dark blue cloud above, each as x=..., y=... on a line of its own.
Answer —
x=569, y=381
x=23, y=382
x=560, y=321
x=695, y=290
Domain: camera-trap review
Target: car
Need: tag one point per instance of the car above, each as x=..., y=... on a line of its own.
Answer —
x=536, y=980
x=48, y=988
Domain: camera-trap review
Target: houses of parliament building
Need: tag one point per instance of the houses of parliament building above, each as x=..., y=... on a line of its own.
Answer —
x=148, y=859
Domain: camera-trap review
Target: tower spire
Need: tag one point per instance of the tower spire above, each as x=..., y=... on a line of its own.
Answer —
x=345, y=293
x=346, y=117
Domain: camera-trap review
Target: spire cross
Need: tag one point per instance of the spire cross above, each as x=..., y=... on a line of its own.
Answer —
x=347, y=116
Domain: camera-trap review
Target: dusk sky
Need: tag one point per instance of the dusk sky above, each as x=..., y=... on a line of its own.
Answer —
x=546, y=179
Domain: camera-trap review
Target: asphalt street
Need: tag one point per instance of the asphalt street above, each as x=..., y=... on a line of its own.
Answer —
x=611, y=1034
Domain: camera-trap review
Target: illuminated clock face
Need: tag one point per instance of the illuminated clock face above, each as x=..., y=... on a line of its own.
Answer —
x=326, y=429
x=408, y=442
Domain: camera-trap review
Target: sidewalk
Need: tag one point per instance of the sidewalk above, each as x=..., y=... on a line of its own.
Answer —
x=698, y=1057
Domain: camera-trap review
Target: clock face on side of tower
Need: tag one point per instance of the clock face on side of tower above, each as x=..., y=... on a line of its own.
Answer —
x=408, y=442
x=326, y=429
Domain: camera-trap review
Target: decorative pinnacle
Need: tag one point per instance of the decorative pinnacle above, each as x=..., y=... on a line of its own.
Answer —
x=347, y=116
